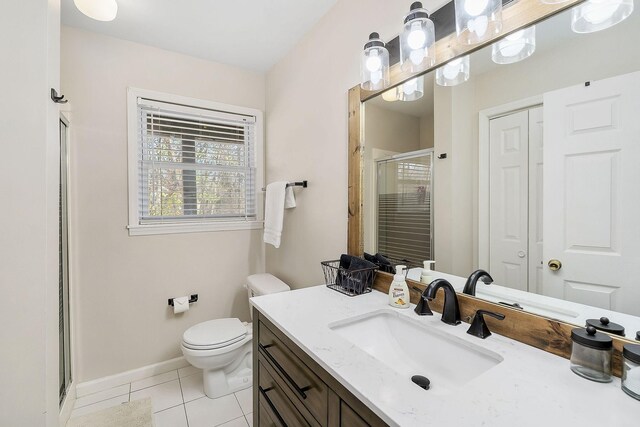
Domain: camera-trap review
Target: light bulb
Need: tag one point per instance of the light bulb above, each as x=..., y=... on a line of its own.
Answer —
x=374, y=62
x=452, y=69
x=515, y=46
x=598, y=11
x=376, y=76
x=417, y=56
x=410, y=87
x=479, y=25
x=475, y=7
x=417, y=36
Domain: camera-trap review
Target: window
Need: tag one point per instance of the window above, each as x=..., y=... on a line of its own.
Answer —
x=193, y=165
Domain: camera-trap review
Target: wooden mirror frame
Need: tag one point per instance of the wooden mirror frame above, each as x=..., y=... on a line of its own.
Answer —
x=538, y=331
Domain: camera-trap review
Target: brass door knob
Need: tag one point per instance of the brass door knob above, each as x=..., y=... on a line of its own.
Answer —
x=554, y=264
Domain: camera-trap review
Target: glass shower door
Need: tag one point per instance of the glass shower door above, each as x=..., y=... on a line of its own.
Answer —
x=63, y=270
x=404, y=206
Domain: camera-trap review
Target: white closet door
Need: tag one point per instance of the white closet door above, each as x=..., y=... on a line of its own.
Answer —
x=591, y=193
x=536, y=162
x=508, y=199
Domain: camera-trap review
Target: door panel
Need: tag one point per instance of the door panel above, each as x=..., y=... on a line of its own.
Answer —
x=508, y=200
x=591, y=203
x=536, y=174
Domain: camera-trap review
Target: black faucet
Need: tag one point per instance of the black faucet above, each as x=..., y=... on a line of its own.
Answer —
x=422, y=308
x=479, y=327
x=470, y=286
x=450, y=309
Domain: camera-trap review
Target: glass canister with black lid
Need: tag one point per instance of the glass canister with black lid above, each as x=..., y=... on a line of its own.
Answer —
x=591, y=354
x=631, y=370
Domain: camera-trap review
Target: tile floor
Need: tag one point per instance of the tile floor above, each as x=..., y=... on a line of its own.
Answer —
x=178, y=401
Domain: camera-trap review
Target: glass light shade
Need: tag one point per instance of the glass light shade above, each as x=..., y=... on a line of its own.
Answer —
x=596, y=15
x=100, y=10
x=515, y=47
x=454, y=72
x=412, y=89
x=478, y=20
x=374, y=64
x=391, y=95
x=416, y=40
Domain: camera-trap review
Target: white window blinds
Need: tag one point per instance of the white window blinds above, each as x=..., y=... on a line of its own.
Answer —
x=194, y=165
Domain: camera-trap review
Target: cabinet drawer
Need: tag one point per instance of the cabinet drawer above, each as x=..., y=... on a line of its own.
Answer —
x=307, y=386
x=349, y=418
x=279, y=411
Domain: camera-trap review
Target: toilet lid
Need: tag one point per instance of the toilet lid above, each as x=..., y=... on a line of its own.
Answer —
x=215, y=333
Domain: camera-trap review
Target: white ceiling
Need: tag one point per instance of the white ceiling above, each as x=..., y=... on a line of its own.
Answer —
x=252, y=34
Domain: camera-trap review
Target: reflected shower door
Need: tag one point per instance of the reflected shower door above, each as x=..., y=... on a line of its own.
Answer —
x=404, y=207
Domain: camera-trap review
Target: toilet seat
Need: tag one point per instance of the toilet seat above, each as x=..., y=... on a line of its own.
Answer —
x=214, y=334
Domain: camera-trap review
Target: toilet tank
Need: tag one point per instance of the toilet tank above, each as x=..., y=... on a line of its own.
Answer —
x=264, y=284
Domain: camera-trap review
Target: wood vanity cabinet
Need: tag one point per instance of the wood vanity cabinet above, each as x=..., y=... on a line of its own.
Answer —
x=291, y=389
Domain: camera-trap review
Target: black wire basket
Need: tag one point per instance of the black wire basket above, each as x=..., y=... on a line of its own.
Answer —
x=348, y=282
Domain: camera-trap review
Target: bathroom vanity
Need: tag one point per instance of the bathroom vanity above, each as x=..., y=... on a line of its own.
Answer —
x=290, y=388
x=325, y=359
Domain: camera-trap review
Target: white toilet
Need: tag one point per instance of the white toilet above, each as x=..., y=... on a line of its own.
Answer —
x=222, y=347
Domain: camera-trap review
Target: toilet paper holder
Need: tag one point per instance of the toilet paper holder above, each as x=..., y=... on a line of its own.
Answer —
x=193, y=298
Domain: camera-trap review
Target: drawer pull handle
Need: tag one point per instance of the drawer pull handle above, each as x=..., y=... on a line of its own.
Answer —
x=299, y=390
x=263, y=392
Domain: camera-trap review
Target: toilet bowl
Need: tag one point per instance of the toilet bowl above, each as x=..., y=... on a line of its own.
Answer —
x=222, y=347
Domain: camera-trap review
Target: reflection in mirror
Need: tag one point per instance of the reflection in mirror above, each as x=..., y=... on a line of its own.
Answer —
x=540, y=183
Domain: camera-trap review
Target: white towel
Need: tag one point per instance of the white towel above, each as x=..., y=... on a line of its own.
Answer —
x=277, y=198
x=289, y=198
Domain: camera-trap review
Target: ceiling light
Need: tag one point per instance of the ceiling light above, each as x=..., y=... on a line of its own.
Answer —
x=100, y=10
x=477, y=20
x=454, y=72
x=416, y=40
x=374, y=64
x=515, y=47
x=596, y=15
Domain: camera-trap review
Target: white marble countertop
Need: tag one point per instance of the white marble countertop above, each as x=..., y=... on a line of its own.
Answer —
x=529, y=387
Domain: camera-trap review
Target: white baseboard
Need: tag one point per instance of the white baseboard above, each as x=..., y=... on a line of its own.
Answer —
x=67, y=405
x=111, y=381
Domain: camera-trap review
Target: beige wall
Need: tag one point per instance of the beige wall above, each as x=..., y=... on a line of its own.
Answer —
x=427, y=131
x=122, y=283
x=29, y=42
x=390, y=130
x=307, y=131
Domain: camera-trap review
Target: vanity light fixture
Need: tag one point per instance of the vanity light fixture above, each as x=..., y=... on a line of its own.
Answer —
x=596, y=15
x=515, y=47
x=374, y=64
x=454, y=72
x=417, y=39
x=100, y=10
x=411, y=90
x=477, y=20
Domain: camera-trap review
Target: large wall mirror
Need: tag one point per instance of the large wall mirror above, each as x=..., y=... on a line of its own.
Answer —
x=528, y=170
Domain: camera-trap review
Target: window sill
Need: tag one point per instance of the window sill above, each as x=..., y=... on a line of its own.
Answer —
x=151, y=229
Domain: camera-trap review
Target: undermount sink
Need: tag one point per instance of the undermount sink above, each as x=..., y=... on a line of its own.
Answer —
x=410, y=348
